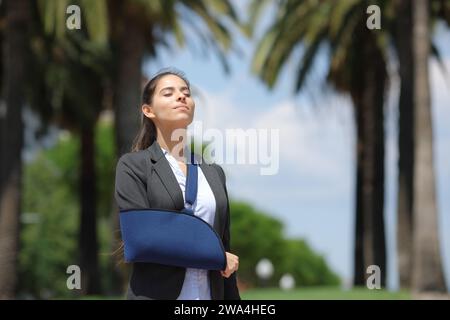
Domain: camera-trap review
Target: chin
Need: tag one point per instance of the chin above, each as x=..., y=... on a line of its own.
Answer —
x=183, y=121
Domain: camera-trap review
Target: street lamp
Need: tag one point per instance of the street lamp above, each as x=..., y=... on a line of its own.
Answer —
x=287, y=282
x=264, y=270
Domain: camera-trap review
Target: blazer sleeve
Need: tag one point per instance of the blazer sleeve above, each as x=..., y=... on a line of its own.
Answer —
x=130, y=186
x=231, y=291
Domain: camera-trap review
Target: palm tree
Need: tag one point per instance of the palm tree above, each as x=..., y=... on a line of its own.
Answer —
x=341, y=26
x=427, y=273
x=403, y=42
x=403, y=45
x=15, y=56
x=71, y=80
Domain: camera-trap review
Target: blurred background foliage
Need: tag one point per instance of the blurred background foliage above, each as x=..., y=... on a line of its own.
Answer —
x=51, y=214
x=256, y=235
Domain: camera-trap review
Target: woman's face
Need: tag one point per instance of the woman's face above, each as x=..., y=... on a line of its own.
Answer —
x=172, y=103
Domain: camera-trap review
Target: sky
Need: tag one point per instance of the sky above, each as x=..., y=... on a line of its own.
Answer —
x=313, y=190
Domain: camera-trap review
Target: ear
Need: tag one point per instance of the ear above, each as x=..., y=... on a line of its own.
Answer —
x=147, y=110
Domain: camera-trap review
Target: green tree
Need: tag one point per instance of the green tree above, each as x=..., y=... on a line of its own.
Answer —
x=357, y=66
x=256, y=235
x=50, y=221
x=307, y=267
x=51, y=214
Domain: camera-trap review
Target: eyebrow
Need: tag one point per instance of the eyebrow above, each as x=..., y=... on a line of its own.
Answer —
x=172, y=88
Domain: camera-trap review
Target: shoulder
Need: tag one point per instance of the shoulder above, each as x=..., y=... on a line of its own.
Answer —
x=137, y=162
x=220, y=171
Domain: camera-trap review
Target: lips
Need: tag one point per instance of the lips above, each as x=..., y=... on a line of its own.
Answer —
x=182, y=107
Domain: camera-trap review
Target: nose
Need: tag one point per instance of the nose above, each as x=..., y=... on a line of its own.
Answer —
x=181, y=96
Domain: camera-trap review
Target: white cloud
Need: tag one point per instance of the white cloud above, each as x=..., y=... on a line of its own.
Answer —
x=314, y=147
x=311, y=145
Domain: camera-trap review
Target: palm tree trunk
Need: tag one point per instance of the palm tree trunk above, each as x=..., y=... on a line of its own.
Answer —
x=403, y=41
x=128, y=83
x=14, y=80
x=368, y=98
x=88, y=225
x=359, y=270
x=127, y=100
x=427, y=273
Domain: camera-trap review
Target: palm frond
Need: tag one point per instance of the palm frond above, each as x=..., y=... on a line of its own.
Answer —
x=340, y=44
x=338, y=15
x=223, y=8
x=214, y=25
x=308, y=60
x=291, y=32
x=255, y=9
x=437, y=55
x=96, y=16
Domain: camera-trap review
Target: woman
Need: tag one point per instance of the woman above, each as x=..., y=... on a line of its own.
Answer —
x=153, y=175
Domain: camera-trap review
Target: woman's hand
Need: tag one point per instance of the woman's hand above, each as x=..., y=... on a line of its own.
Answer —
x=232, y=265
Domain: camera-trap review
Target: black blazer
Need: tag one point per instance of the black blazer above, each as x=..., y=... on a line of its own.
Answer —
x=144, y=179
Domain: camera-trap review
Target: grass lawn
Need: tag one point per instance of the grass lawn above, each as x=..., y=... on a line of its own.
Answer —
x=324, y=293
x=307, y=293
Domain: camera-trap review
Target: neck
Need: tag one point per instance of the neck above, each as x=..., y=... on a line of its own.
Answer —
x=173, y=140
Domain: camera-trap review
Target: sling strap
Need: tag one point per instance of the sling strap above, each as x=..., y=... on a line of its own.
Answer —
x=191, y=185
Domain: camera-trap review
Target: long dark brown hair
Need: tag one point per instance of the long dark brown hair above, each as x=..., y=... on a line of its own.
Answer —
x=147, y=132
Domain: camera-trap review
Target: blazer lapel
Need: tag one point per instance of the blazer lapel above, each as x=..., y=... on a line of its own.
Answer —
x=165, y=173
x=162, y=168
x=215, y=183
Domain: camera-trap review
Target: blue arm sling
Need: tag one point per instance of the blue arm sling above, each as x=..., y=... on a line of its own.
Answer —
x=169, y=237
